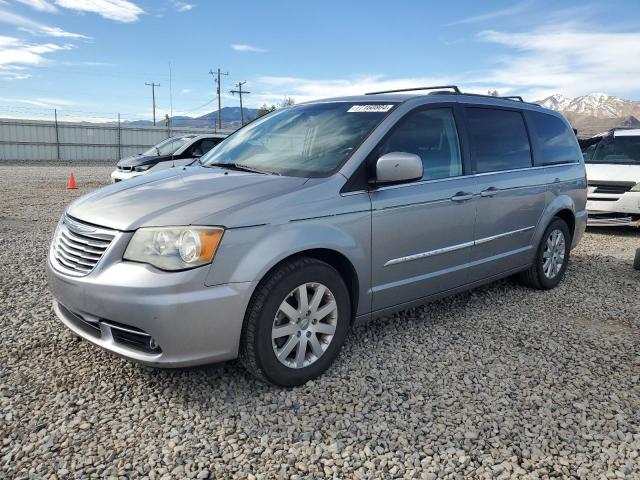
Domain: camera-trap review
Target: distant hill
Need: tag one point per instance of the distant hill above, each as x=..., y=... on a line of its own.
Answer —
x=230, y=119
x=596, y=112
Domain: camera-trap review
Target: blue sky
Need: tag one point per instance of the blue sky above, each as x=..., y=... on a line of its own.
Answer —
x=91, y=59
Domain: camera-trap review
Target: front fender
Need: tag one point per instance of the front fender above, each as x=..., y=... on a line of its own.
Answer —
x=249, y=253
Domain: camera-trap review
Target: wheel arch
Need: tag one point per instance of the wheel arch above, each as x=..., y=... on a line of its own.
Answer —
x=562, y=207
x=335, y=259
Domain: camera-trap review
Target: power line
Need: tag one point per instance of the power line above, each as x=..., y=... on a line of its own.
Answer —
x=240, y=92
x=153, y=86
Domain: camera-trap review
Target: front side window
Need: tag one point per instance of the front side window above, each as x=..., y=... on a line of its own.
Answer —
x=498, y=139
x=432, y=135
x=556, y=142
x=311, y=140
x=168, y=146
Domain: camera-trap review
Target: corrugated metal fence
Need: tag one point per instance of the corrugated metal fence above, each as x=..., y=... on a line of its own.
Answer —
x=50, y=140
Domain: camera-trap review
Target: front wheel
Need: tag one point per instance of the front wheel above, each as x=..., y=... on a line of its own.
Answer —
x=296, y=323
x=552, y=257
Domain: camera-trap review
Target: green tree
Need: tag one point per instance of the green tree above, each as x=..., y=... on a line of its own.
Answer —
x=264, y=109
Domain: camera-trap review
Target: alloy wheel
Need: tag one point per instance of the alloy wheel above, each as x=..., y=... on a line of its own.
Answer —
x=304, y=325
x=553, y=254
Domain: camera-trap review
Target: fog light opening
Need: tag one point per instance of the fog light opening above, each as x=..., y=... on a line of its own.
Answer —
x=153, y=344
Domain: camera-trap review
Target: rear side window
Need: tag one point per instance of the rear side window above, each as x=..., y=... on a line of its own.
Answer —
x=555, y=142
x=432, y=135
x=498, y=139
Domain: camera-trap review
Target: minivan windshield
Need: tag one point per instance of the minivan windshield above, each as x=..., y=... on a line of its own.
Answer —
x=168, y=146
x=311, y=140
x=618, y=149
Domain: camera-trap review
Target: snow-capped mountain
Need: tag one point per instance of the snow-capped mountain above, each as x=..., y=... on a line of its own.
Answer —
x=598, y=105
x=596, y=112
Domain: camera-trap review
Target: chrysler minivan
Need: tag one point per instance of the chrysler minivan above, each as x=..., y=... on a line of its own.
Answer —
x=317, y=217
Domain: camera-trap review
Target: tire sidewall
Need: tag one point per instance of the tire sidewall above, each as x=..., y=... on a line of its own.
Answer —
x=275, y=371
x=556, y=224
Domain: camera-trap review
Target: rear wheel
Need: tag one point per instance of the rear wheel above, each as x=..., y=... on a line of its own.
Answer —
x=552, y=257
x=296, y=323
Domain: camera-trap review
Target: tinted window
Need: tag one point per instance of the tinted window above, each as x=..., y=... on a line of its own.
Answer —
x=432, y=135
x=555, y=142
x=498, y=139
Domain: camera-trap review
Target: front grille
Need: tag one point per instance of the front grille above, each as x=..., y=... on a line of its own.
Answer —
x=90, y=328
x=612, y=188
x=125, y=335
x=132, y=337
x=77, y=247
x=125, y=169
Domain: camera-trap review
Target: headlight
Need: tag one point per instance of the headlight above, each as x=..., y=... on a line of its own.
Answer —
x=174, y=248
x=142, y=168
x=635, y=188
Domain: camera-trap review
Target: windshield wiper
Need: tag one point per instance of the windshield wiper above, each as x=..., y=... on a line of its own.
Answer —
x=242, y=167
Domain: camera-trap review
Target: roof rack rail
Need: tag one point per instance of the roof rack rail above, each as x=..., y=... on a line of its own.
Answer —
x=514, y=97
x=452, y=87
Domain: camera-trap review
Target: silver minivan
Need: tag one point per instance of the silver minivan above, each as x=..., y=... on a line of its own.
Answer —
x=317, y=217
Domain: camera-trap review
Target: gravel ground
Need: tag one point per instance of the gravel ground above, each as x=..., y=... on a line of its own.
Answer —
x=501, y=382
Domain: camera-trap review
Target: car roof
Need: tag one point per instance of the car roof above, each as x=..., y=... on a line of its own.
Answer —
x=633, y=132
x=437, y=97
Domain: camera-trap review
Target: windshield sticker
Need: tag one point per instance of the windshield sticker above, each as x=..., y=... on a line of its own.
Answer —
x=370, y=108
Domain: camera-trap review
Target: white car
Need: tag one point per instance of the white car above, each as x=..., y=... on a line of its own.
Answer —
x=172, y=152
x=613, y=172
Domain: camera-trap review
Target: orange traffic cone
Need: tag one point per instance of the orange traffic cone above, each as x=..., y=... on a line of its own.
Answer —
x=71, y=184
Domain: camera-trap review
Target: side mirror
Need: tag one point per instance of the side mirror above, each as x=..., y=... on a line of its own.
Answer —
x=398, y=167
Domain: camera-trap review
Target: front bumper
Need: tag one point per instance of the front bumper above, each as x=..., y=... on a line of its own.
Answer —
x=121, y=306
x=614, y=210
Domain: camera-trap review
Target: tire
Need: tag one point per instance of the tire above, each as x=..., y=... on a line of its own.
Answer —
x=535, y=276
x=320, y=336
x=636, y=261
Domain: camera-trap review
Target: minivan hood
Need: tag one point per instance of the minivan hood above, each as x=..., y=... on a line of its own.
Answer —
x=609, y=172
x=181, y=196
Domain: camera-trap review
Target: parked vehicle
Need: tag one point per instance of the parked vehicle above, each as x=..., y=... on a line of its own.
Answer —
x=316, y=217
x=172, y=152
x=613, y=168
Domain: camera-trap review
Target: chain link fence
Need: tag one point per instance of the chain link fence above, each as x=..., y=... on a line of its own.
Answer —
x=24, y=139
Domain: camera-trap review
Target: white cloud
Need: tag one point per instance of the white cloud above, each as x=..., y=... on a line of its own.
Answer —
x=14, y=52
x=184, y=91
x=54, y=32
x=274, y=89
x=565, y=58
x=118, y=10
x=27, y=25
x=505, y=12
x=40, y=5
x=240, y=47
x=39, y=102
x=183, y=6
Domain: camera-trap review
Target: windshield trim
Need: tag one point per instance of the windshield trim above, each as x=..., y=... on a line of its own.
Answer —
x=306, y=174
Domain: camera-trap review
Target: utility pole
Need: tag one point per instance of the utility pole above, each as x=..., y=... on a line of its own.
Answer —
x=153, y=96
x=218, y=89
x=240, y=92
